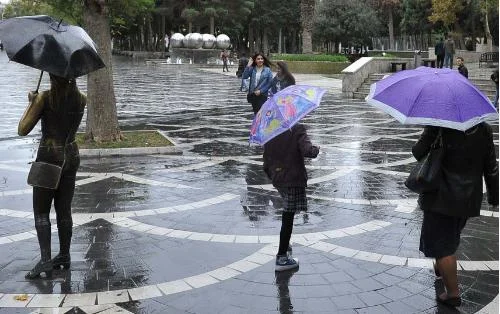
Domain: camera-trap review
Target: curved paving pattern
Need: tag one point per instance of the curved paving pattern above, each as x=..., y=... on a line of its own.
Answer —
x=197, y=233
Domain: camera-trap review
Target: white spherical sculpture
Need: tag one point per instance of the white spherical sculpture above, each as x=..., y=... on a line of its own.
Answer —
x=185, y=41
x=208, y=41
x=195, y=40
x=223, y=41
x=176, y=40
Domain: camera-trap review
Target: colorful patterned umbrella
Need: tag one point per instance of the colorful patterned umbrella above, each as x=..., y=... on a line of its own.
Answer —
x=283, y=110
x=429, y=96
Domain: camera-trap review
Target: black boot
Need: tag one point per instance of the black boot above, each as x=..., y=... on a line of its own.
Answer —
x=65, y=231
x=43, y=232
x=63, y=260
x=40, y=267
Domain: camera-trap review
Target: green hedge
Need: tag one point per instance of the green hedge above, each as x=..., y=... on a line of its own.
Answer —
x=309, y=57
x=315, y=67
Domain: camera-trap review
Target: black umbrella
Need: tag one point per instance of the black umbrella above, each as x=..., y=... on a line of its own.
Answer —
x=49, y=45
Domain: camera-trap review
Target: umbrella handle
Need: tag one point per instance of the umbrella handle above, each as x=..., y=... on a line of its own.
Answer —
x=39, y=80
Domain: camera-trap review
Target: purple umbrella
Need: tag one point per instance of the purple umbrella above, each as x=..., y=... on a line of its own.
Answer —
x=430, y=96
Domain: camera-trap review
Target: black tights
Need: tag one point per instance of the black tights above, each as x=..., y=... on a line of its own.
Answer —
x=286, y=231
x=42, y=201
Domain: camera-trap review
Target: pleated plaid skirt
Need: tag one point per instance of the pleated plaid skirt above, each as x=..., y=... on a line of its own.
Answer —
x=294, y=198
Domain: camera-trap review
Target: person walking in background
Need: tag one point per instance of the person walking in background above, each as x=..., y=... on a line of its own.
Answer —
x=242, y=63
x=439, y=52
x=468, y=157
x=224, y=57
x=61, y=110
x=284, y=165
x=462, y=69
x=282, y=79
x=258, y=69
x=494, y=78
x=449, y=51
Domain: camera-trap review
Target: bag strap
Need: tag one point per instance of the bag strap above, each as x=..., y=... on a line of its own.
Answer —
x=438, y=142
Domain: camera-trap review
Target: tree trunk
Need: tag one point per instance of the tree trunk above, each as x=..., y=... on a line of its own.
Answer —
x=265, y=42
x=102, y=120
x=306, y=19
x=190, y=27
x=251, y=39
x=163, y=32
x=151, y=35
x=487, y=32
x=293, y=42
x=280, y=35
x=258, y=42
x=212, y=25
x=390, y=25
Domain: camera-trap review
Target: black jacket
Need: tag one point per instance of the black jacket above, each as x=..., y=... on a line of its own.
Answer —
x=468, y=157
x=284, y=157
x=463, y=70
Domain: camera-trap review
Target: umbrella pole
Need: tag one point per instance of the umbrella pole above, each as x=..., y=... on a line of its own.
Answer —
x=39, y=80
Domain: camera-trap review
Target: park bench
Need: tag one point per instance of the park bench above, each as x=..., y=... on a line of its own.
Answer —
x=488, y=58
x=429, y=61
x=395, y=64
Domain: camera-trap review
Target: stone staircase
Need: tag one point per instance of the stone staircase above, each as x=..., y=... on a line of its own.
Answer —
x=364, y=89
x=480, y=77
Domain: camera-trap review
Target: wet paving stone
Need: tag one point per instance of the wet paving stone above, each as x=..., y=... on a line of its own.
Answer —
x=196, y=232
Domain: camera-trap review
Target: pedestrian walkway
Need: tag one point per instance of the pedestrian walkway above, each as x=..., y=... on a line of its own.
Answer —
x=197, y=232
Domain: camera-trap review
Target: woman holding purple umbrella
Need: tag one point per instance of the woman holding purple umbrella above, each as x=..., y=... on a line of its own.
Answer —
x=469, y=155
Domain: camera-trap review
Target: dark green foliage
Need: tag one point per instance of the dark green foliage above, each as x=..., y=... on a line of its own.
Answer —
x=349, y=22
x=415, y=16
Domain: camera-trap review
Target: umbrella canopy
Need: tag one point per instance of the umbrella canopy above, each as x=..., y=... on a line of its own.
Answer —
x=429, y=96
x=283, y=110
x=49, y=45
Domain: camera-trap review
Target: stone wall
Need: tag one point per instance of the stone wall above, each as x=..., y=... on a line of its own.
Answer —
x=469, y=56
x=141, y=54
x=357, y=73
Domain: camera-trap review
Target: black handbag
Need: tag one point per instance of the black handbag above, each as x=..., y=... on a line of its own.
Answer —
x=427, y=174
x=45, y=175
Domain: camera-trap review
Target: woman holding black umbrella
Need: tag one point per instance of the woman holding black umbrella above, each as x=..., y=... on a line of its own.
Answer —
x=61, y=110
x=66, y=52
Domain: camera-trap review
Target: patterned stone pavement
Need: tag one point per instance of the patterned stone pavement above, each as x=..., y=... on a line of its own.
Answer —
x=197, y=232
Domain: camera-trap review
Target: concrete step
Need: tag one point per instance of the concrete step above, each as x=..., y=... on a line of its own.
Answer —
x=359, y=95
x=377, y=76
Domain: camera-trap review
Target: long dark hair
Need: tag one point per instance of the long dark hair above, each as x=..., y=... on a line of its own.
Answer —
x=266, y=60
x=285, y=73
x=62, y=91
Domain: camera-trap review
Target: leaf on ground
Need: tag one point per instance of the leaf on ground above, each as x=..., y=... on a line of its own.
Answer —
x=21, y=297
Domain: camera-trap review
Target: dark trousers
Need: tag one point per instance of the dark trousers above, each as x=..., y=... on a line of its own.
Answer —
x=286, y=231
x=224, y=66
x=256, y=101
x=62, y=197
x=439, y=61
